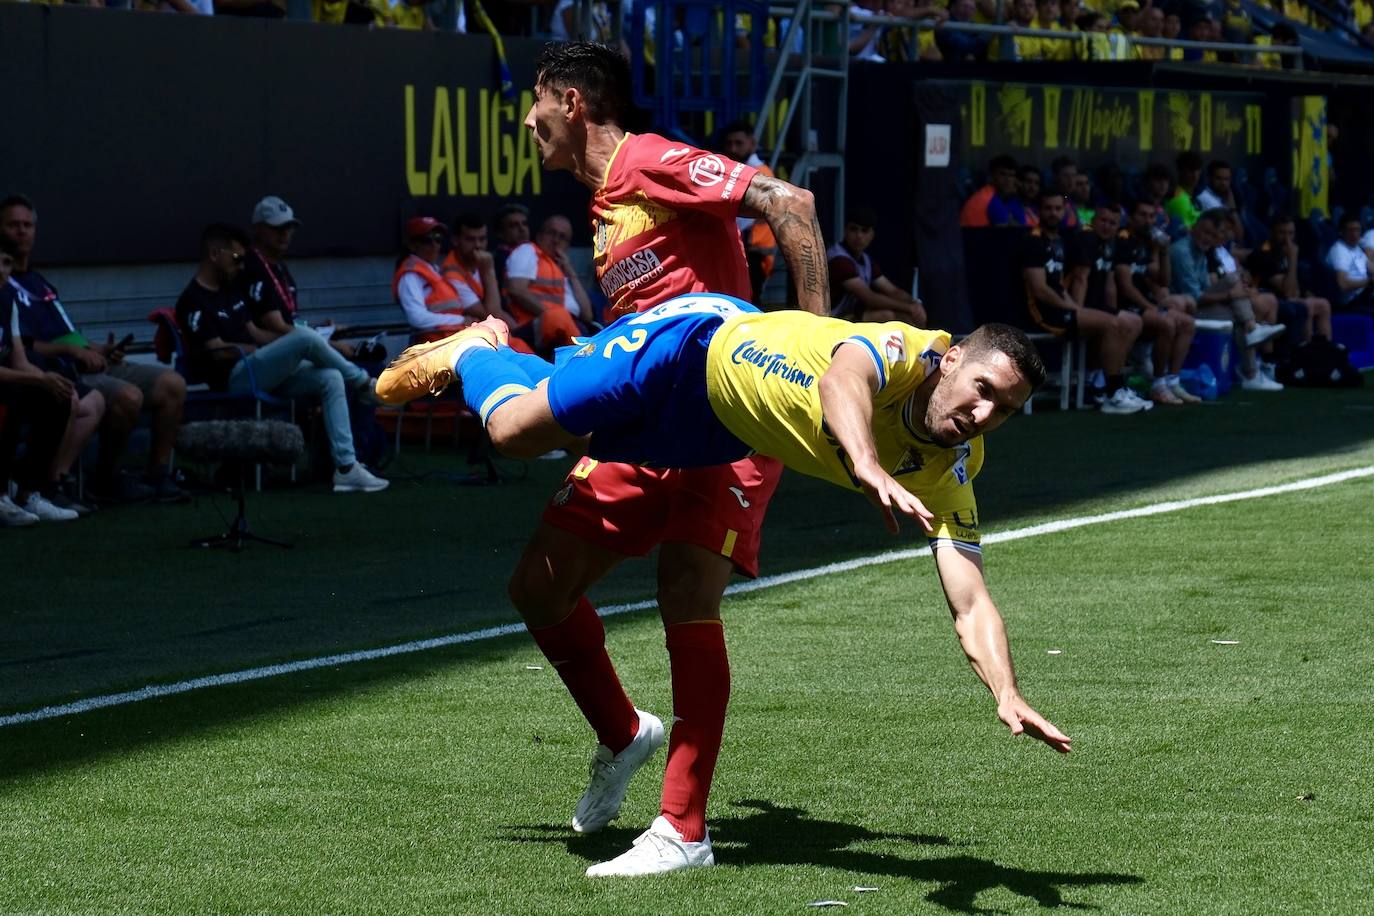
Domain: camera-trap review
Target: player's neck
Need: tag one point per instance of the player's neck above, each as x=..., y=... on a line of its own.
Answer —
x=920, y=402
x=206, y=277
x=602, y=141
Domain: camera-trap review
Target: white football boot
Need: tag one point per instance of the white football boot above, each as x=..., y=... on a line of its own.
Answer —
x=611, y=774
x=659, y=850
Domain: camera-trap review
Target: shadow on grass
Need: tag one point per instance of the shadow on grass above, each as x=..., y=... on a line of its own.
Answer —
x=780, y=835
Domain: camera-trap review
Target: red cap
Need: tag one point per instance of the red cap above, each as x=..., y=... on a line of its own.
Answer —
x=422, y=226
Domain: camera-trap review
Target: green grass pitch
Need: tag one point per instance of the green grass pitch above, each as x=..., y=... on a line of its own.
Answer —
x=860, y=750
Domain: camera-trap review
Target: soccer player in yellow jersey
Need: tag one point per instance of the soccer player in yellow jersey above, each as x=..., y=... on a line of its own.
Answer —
x=893, y=411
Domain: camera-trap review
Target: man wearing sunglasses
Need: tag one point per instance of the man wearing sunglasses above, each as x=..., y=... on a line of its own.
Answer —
x=231, y=353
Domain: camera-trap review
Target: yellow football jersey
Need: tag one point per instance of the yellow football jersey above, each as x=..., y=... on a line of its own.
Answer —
x=763, y=380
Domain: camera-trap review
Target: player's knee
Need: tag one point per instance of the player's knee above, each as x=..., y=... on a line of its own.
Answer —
x=127, y=402
x=538, y=597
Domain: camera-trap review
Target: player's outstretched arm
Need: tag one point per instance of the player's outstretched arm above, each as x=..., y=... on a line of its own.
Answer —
x=983, y=637
x=790, y=212
x=847, y=388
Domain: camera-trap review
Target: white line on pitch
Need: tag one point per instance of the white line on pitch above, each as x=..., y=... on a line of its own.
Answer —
x=327, y=661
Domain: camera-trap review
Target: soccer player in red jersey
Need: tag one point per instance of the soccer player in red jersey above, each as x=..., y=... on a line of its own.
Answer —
x=663, y=219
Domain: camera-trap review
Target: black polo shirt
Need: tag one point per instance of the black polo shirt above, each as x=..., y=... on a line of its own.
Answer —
x=268, y=287
x=205, y=314
x=1099, y=256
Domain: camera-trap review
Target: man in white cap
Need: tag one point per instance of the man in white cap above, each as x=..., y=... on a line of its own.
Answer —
x=269, y=289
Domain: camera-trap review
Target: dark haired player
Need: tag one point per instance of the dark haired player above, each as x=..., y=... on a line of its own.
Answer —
x=885, y=409
x=663, y=224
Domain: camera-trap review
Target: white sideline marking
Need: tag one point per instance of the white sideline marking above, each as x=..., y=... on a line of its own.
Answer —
x=253, y=674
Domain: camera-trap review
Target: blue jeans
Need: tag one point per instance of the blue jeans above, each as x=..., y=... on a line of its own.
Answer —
x=301, y=363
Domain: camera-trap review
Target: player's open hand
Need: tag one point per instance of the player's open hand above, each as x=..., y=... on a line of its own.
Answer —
x=1018, y=716
x=890, y=497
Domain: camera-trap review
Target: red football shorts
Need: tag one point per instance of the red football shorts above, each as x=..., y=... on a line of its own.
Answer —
x=630, y=509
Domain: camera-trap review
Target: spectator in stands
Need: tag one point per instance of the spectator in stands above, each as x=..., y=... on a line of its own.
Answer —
x=127, y=387
x=1222, y=298
x=1224, y=261
x=1128, y=16
x=760, y=245
x=1040, y=263
x=1081, y=198
x=1156, y=184
x=268, y=286
x=1219, y=194
x=409, y=15
x=1142, y=284
x=895, y=41
x=433, y=307
x=997, y=203
x=1028, y=193
x=543, y=292
x=40, y=401
x=1181, y=204
x=512, y=231
x=1150, y=23
x=1017, y=47
x=1047, y=13
x=1274, y=267
x=1173, y=28
x=955, y=45
x=1202, y=27
x=1351, y=264
x=858, y=289
x=863, y=31
x=1091, y=256
x=1236, y=25
x=227, y=350
x=471, y=270
x=1063, y=178
x=1367, y=240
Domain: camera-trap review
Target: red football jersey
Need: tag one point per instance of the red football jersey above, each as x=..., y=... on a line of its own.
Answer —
x=663, y=224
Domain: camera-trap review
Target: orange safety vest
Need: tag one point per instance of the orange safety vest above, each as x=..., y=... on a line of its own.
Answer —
x=455, y=272
x=440, y=292
x=548, y=286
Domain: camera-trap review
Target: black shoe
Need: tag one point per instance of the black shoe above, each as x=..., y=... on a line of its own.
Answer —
x=165, y=489
x=59, y=498
x=121, y=489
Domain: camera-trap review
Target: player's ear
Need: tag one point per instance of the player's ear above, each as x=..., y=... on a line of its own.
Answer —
x=951, y=358
x=574, y=105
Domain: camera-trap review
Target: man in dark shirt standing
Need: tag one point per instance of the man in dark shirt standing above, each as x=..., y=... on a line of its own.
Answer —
x=1274, y=268
x=230, y=352
x=1142, y=284
x=1040, y=260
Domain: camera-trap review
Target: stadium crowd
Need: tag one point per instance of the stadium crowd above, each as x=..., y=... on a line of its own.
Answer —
x=1101, y=30
x=1119, y=260
x=1123, y=260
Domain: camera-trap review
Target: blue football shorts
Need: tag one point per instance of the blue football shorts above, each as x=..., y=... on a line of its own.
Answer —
x=639, y=387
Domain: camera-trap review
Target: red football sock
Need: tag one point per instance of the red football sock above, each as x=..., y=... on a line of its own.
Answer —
x=701, y=691
x=576, y=648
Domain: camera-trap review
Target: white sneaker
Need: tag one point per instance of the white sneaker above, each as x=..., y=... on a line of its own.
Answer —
x=1263, y=332
x=611, y=774
x=1183, y=394
x=1122, y=401
x=358, y=480
x=659, y=850
x=46, y=511
x=1145, y=404
x=11, y=516
x=1258, y=382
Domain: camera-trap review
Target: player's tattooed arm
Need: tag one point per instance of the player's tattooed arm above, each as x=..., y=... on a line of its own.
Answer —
x=790, y=212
